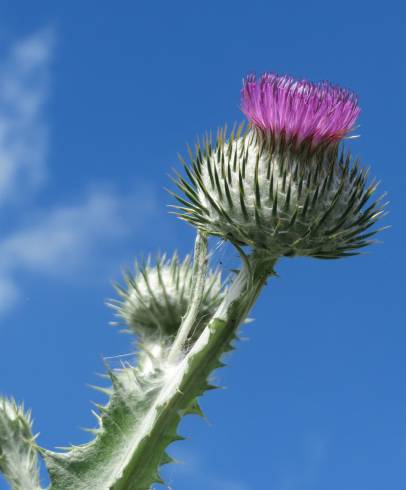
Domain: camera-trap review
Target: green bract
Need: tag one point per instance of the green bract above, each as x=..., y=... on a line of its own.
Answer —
x=18, y=456
x=279, y=197
x=156, y=297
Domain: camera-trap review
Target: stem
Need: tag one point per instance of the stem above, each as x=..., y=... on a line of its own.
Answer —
x=188, y=379
x=198, y=283
x=142, y=416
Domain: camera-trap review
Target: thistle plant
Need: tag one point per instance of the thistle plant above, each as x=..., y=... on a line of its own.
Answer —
x=280, y=185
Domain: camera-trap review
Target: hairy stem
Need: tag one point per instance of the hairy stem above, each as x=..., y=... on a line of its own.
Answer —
x=198, y=283
x=188, y=379
x=143, y=414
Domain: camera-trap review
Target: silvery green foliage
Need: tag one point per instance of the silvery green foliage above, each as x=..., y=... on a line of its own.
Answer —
x=146, y=402
x=18, y=455
x=156, y=297
x=279, y=197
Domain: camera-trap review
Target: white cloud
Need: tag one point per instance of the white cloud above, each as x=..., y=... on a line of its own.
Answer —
x=63, y=239
x=9, y=294
x=67, y=239
x=24, y=83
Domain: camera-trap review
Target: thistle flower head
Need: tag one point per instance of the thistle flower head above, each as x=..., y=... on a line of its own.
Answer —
x=299, y=109
x=257, y=190
x=157, y=296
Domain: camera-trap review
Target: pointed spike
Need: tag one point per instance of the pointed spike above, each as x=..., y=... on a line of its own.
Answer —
x=275, y=204
x=228, y=194
x=271, y=189
x=195, y=409
x=178, y=437
x=94, y=432
x=242, y=196
x=257, y=189
x=101, y=389
x=166, y=459
x=288, y=195
x=210, y=387
x=219, y=364
x=293, y=218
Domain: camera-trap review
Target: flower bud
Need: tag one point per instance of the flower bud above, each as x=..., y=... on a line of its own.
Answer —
x=156, y=297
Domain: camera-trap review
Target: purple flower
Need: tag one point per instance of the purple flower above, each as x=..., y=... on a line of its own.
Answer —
x=298, y=108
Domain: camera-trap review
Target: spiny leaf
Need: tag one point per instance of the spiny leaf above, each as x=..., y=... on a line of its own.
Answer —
x=141, y=417
x=18, y=451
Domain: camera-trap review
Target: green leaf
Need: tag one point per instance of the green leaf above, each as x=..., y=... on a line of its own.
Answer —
x=142, y=416
x=18, y=453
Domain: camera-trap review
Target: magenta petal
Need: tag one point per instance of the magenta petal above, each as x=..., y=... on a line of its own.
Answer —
x=300, y=109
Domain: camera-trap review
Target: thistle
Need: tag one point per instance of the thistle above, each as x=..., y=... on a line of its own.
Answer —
x=283, y=186
x=279, y=186
x=157, y=297
x=18, y=454
x=301, y=110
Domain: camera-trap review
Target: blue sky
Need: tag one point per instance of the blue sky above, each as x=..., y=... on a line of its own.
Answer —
x=96, y=100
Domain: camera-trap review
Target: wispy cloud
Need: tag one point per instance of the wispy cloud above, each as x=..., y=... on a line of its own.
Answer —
x=9, y=293
x=62, y=238
x=65, y=239
x=59, y=239
x=24, y=88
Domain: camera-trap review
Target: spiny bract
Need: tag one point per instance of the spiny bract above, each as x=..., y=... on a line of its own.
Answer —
x=18, y=456
x=278, y=196
x=157, y=296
